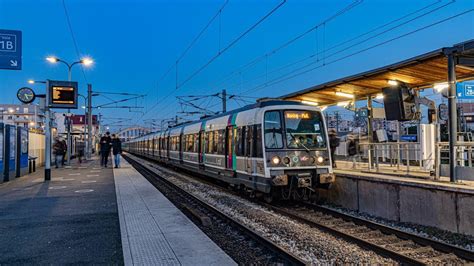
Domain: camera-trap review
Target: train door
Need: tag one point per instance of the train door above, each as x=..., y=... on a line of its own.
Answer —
x=181, y=144
x=249, y=160
x=201, y=147
x=228, y=147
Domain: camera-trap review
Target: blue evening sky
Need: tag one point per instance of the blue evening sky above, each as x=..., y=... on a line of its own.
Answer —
x=135, y=42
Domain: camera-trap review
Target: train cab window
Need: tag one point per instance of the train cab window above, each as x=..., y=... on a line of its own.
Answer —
x=273, y=130
x=304, y=129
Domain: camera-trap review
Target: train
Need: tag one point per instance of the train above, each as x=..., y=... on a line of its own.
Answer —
x=273, y=149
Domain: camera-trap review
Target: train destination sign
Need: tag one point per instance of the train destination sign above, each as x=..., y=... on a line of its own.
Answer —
x=297, y=115
x=62, y=94
x=10, y=49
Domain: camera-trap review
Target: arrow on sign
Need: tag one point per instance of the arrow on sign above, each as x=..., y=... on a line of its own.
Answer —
x=13, y=63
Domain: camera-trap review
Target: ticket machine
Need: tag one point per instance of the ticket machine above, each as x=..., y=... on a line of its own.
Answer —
x=21, y=152
x=9, y=154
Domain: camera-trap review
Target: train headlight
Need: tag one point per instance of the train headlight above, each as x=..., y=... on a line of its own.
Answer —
x=286, y=160
x=320, y=159
x=275, y=160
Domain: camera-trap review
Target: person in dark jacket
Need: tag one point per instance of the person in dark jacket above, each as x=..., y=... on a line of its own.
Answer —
x=334, y=142
x=65, y=147
x=105, y=145
x=116, y=149
x=58, y=151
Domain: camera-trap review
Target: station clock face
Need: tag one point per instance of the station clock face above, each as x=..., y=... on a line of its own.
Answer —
x=26, y=95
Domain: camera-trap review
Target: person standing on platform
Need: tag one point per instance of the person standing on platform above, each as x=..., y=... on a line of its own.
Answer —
x=58, y=151
x=334, y=142
x=116, y=149
x=105, y=143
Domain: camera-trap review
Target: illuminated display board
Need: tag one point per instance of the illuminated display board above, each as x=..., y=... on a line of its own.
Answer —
x=297, y=115
x=63, y=94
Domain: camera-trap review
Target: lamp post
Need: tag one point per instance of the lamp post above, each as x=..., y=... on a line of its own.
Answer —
x=87, y=62
x=86, y=143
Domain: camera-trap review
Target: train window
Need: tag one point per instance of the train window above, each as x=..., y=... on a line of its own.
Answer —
x=196, y=143
x=220, y=141
x=258, y=141
x=273, y=130
x=240, y=140
x=209, y=140
x=248, y=141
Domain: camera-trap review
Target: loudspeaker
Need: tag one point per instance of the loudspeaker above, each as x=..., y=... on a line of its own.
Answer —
x=399, y=103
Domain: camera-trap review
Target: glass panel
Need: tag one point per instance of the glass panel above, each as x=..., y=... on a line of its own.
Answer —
x=273, y=131
x=304, y=129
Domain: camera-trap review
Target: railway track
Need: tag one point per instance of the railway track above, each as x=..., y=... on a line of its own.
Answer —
x=401, y=246
x=205, y=212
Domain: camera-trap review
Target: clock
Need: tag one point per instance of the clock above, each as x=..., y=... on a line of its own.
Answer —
x=26, y=95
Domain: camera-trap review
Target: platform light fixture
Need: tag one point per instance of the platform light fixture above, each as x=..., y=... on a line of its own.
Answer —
x=343, y=94
x=310, y=103
x=392, y=82
x=344, y=104
x=441, y=86
x=379, y=96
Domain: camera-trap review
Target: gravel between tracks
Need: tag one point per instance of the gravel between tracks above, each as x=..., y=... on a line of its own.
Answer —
x=308, y=243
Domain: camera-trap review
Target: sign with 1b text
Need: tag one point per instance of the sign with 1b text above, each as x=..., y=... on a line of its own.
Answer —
x=10, y=49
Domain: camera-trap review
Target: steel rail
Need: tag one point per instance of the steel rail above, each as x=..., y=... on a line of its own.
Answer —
x=281, y=252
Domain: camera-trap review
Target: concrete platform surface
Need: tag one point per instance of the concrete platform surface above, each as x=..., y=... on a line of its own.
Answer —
x=154, y=231
x=71, y=219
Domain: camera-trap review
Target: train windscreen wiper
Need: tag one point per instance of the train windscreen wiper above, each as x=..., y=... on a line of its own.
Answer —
x=298, y=142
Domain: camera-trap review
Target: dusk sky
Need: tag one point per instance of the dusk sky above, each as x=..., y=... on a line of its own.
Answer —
x=135, y=45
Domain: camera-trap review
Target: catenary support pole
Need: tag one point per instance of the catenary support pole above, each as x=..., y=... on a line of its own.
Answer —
x=453, y=116
x=369, y=129
x=89, y=121
x=224, y=101
x=47, y=149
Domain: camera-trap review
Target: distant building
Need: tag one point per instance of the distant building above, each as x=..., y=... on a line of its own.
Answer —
x=132, y=132
x=30, y=116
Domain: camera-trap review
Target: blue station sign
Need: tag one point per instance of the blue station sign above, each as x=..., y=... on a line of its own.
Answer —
x=465, y=90
x=10, y=49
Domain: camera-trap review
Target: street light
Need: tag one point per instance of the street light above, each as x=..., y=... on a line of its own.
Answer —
x=87, y=61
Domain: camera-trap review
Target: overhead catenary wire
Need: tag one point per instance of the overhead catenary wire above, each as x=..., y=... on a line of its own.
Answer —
x=281, y=79
x=71, y=31
x=323, y=52
x=222, y=51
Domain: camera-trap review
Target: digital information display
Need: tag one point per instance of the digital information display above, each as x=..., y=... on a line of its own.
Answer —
x=297, y=115
x=63, y=94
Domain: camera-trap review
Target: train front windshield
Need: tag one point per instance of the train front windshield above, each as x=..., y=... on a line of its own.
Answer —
x=302, y=130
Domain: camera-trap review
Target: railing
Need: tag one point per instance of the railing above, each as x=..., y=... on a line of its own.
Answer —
x=464, y=155
x=404, y=155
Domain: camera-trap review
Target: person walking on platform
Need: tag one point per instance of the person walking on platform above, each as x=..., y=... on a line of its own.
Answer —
x=116, y=149
x=334, y=142
x=58, y=151
x=65, y=147
x=105, y=143
x=80, y=147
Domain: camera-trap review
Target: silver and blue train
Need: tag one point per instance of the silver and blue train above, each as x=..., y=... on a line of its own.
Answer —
x=274, y=149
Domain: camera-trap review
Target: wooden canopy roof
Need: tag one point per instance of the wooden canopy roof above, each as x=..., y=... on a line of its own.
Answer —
x=419, y=72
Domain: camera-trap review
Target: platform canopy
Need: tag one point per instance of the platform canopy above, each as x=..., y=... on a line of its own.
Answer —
x=420, y=72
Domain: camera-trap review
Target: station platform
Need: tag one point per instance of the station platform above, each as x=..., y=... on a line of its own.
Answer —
x=395, y=196
x=72, y=219
x=154, y=231
x=92, y=215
